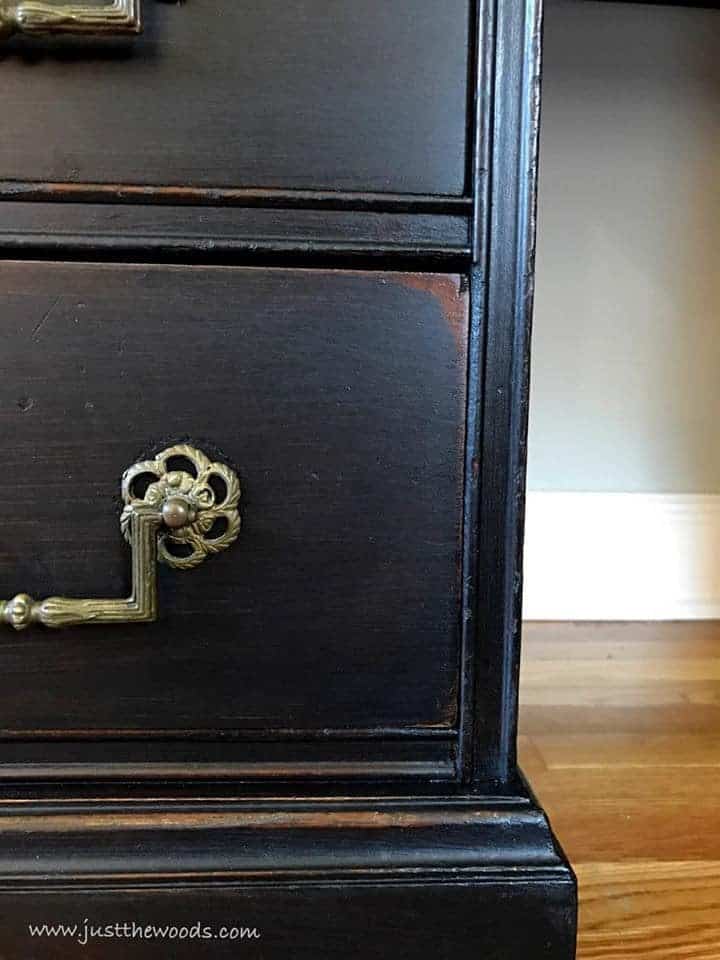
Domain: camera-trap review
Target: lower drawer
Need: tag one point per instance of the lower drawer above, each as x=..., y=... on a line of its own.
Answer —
x=339, y=398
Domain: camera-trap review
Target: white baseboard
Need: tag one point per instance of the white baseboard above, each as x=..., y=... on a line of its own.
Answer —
x=622, y=556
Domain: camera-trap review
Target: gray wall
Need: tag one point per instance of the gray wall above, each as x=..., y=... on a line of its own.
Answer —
x=626, y=367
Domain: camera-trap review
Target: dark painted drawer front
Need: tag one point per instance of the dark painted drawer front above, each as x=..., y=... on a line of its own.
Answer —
x=230, y=93
x=338, y=396
x=363, y=921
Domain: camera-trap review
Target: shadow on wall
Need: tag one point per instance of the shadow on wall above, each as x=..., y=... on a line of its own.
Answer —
x=626, y=392
x=624, y=509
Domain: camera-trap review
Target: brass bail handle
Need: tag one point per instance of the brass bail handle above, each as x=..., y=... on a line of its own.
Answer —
x=40, y=18
x=180, y=508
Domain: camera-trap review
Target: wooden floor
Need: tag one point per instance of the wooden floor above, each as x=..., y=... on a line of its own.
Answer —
x=620, y=737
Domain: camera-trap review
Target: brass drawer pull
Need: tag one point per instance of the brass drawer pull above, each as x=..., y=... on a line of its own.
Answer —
x=179, y=509
x=38, y=18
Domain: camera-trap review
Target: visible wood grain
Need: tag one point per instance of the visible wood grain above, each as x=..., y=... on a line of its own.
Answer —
x=502, y=296
x=365, y=920
x=378, y=421
x=650, y=910
x=651, y=682
x=363, y=96
x=621, y=741
x=101, y=229
x=629, y=751
x=338, y=396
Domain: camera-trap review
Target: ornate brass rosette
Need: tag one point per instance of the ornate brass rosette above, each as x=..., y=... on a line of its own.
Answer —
x=197, y=498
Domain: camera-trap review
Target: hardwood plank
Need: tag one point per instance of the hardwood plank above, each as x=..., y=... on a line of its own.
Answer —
x=621, y=741
x=625, y=829
x=638, y=672
x=591, y=751
x=661, y=786
x=550, y=641
x=658, y=911
x=625, y=717
x=621, y=680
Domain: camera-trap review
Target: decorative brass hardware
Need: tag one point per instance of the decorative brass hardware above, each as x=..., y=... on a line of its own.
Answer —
x=187, y=512
x=40, y=18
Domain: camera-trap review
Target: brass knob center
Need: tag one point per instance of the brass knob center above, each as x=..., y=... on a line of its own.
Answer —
x=177, y=513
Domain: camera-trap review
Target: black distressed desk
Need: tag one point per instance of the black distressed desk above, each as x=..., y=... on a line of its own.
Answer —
x=293, y=245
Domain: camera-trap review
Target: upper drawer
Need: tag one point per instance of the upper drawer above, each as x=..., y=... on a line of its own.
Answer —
x=347, y=95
